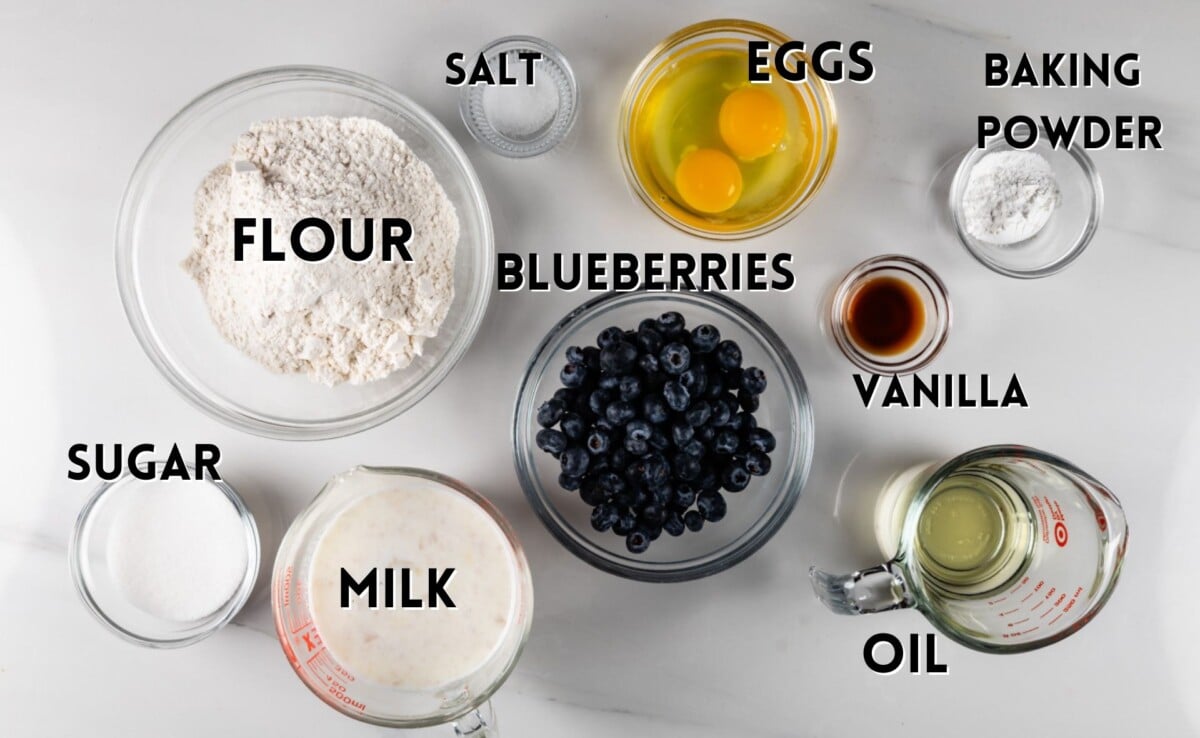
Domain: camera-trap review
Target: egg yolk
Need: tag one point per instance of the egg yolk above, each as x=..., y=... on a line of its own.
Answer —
x=752, y=122
x=708, y=180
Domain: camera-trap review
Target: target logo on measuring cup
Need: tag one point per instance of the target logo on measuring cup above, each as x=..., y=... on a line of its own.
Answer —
x=1060, y=533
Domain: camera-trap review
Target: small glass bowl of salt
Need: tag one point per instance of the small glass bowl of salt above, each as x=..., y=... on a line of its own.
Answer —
x=522, y=120
x=165, y=564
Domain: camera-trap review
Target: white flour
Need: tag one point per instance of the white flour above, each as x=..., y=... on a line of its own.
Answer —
x=1010, y=196
x=335, y=320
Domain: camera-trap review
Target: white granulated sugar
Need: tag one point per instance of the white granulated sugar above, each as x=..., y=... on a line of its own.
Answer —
x=335, y=320
x=176, y=550
x=1010, y=196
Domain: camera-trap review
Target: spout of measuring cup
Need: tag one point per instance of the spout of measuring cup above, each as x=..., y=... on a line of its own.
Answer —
x=479, y=723
x=877, y=589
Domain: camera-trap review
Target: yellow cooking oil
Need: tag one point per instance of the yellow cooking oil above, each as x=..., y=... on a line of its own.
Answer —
x=716, y=151
x=974, y=535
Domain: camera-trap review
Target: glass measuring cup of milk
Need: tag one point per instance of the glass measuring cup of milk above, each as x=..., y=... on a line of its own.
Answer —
x=1004, y=549
x=363, y=619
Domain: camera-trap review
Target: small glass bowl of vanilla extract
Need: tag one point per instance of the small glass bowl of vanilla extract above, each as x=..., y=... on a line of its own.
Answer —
x=890, y=315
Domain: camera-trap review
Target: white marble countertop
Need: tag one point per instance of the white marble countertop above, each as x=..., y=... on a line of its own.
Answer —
x=1106, y=353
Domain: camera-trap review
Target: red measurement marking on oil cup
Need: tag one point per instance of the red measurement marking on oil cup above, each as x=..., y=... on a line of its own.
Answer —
x=296, y=616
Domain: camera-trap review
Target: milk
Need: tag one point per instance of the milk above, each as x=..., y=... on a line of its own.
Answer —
x=415, y=525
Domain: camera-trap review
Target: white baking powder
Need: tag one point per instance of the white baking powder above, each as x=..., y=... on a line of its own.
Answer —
x=1010, y=196
x=335, y=320
x=177, y=549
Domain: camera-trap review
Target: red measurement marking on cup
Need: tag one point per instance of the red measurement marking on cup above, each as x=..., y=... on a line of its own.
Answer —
x=296, y=616
x=1056, y=618
x=1020, y=584
x=1015, y=623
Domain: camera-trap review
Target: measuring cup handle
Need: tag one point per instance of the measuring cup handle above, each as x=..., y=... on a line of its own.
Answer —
x=878, y=589
x=480, y=723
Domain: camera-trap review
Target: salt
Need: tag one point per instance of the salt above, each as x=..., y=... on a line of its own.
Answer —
x=177, y=549
x=520, y=111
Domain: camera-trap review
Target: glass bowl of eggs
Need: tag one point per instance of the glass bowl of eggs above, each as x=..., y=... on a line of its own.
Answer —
x=712, y=153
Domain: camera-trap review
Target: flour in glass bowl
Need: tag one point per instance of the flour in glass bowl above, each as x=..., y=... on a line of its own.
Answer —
x=335, y=320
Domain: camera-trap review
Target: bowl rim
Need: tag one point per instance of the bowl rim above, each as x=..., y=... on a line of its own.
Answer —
x=1088, y=170
x=826, y=109
x=128, y=279
x=219, y=619
x=787, y=493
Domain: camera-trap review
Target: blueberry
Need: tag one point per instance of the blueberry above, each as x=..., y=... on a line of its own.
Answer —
x=597, y=442
x=573, y=375
x=655, y=471
x=653, y=514
x=551, y=441
x=706, y=434
x=640, y=499
x=618, y=358
x=575, y=355
x=693, y=520
x=685, y=495
x=591, y=493
x=609, y=383
x=569, y=483
x=722, y=411
x=758, y=463
x=708, y=482
x=620, y=412
x=670, y=323
x=687, y=467
x=711, y=505
x=748, y=401
x=754, y=381
x=638, y=429
x=682, y=432
x=662, y=496
x=694, y=380
x=735, y=478
x=603, y=424
x=604, y=517
x=654, y=409
x=610, y=336
x=573, y=426
x=649, y=324
x=760, y=439
x=648, y=363
x=673, y=524
x=630, y=387
x=636, y=447
x=574, y=461
x=619, y=458
x=625, y=524
x=598, y=400
x=705, y=338
x=716, y=386
x=549, y=413
x=726, y=442
x=638, y=541
x=649, y=340
x=611, y=483
x=676, y=396
x=694, y=448
x=729, y=355
x=654, y=531
x=675, y=358
x=565, y=396
x=699, y=413
x=659, y=440
x=742, y=423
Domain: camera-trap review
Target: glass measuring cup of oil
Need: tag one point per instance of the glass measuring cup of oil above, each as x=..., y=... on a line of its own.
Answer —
x=385, y=648
x=1004, y=549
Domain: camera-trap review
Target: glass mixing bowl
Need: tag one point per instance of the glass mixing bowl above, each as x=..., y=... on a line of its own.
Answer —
x=702, y=38
x=754, y=514
x=168, y=313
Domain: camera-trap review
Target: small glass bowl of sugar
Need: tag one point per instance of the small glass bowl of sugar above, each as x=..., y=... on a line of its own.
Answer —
x=165, y=564
x=518, y=119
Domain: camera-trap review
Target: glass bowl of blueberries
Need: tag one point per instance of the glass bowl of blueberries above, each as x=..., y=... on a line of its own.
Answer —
x=662, y=436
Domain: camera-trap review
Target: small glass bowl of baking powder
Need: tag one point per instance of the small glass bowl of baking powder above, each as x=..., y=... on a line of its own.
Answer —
x=165, y=564
x=1063, y=237
x=521, y=120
